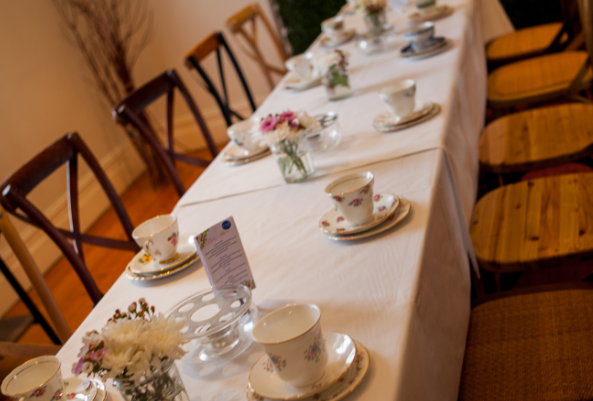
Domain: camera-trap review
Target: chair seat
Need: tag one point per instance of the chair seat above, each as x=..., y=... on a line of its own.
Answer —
x=523, y=43
x=537, y=79
x=534, y=224
x=537, y=138
x=530, y=347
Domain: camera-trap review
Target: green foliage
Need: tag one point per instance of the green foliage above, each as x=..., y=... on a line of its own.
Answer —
x=302, y=19
x=525, y=13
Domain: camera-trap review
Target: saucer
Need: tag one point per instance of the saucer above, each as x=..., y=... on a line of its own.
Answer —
x=294, y=83
x=339, y=389
x=432, y=13
x=144, y=264
x=333, y=222
x=330, y=43
x=388, y=120
x=234, y=155
x=341, y=352
x=401, y=212
x=141, y=277
x=436, y=109
x=76, y=388
x=101, y=392
x=440, y=45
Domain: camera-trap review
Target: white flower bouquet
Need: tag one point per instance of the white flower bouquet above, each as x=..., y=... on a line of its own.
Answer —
x=366, y=7
x=332, y=65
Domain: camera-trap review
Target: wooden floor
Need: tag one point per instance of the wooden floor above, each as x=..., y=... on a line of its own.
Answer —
x=142, y=201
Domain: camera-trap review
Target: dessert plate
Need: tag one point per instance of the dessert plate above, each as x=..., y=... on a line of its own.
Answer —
x=401, y=212
x=333, y=222
x=337, y=390
x=265, y=382
x=294, y=83
x=330, y=43
x=441, y=44
x=432, y=14
x=76, y=388
x=234, y=155
x=144, y=264
x=436, y=109
x=387, y=120
x=101, y=392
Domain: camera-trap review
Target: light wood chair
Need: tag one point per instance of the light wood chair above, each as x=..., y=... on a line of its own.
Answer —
x=537, y=139
x=129, y=112
x=238, y=24
x=24, y=257
x=193, y=59
x=550, y=77
x=530, y=344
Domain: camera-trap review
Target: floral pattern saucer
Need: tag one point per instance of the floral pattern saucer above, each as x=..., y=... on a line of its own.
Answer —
x=341, y=352
x=432, y=14
x=294, y=83
x=440, y=45
x=144, y=264
x=436, y=109
x=340, y=388
x=331, y=43
x=333, y=222
x=401, y=212
x=79, y=389
x=234, y=155
x=387, y=120
x=101, y=391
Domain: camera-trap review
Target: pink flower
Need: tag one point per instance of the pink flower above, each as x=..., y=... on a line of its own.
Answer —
x=78, y=368
x=295, y=123
x=95, y=356
x=269, y=123
x=287, y=116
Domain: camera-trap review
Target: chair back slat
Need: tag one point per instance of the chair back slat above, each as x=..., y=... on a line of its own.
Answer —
x=586, y=14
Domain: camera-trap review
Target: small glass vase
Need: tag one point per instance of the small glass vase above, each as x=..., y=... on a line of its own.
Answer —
x=337, y=82
x=375, y=22
x=293, y=158
x=163, y=386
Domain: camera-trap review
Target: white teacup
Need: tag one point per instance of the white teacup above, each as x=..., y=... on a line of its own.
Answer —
x=420, y=36
x=400, y=98
x=39, y=379
x=159, y=237
x=333, y=27
x=241, y=134
x=292, y=338
x=302, y=67
x=353, y=196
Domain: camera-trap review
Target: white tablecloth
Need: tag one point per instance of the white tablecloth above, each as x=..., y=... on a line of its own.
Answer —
x=404, y=294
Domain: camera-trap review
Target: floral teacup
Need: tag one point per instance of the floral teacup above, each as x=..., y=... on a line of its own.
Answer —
x=39, y=379
x=159, y=237
x=353, y=196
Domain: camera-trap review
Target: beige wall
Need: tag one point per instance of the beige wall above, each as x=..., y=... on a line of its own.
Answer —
x=46, y=91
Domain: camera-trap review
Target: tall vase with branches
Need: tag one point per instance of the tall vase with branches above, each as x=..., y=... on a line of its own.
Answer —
x=110, y=35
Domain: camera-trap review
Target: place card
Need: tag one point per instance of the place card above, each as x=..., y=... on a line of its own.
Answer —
x=223, y=256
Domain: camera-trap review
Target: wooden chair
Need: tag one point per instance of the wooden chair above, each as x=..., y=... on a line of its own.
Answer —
x=537, y=139
x=238, y=24
x=17, y=186
x=213, y=44
x=129, y=112
x=21, y=252
x=537, y=40
x=550, y=77
x=530, y=344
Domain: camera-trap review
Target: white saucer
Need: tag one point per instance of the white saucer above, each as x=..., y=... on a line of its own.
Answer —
x=330, y=43
x=341, y=351
x=141, y=277
x=401, y=212
x=79, y=389
x=234, y=155
x=432, y=13
x=333, y=222
x=439, y=47
x=294, y=83
x=436, y=109
x=387, y=120
x=339, y=389
x=144, y=264
x=101, y=392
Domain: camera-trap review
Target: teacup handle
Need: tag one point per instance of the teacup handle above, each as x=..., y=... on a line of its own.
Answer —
x=146, y=246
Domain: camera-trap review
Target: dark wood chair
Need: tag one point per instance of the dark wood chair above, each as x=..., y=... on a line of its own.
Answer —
x=213, y=44
x=129, y=112
x=17, y=186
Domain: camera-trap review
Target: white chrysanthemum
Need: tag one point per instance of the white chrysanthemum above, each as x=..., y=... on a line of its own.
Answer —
x=307, y=121
x=164, y=337
x=323, y=61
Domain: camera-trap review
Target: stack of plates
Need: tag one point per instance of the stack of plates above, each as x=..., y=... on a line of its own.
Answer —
x=234, y=155
x=388, y=211
x=387, y=122
x=145, y=267
x=79, y=389
x=347, y=365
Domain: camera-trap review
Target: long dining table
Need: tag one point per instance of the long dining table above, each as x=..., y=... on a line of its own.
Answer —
x=405, y=293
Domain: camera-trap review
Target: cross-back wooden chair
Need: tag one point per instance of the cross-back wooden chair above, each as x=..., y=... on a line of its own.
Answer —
x=129, y=112
x=239, y=25
x=16, y=187
x=213, y=44
x=545, y=78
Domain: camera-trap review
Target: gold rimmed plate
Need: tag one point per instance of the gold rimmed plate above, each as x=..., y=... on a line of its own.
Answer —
x=333, y=222
x=433, y=112
x=141, y=277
